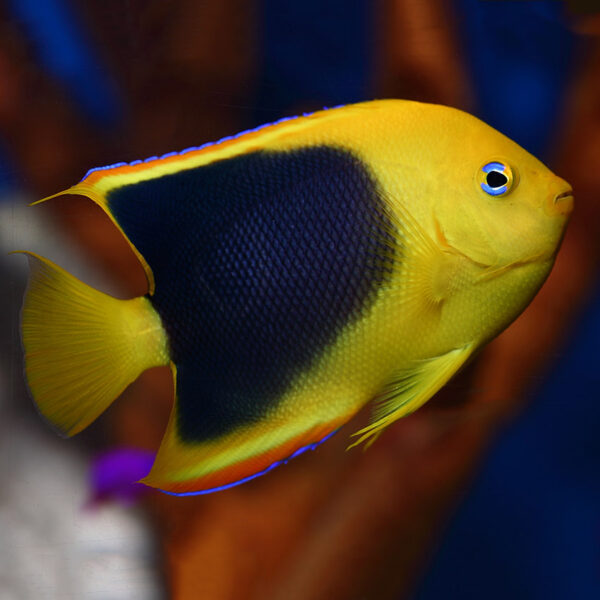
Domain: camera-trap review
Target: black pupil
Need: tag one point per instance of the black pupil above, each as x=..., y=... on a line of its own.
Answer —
x=495, y=179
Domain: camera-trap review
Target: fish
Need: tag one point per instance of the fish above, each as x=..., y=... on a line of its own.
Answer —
x=296, y=273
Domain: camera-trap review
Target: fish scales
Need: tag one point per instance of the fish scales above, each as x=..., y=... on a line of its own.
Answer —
x=272, y=255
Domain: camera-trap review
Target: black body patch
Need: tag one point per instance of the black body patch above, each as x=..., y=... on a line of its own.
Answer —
x=259, y=261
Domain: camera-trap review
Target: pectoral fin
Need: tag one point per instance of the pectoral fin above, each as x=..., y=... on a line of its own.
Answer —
x=410, y=389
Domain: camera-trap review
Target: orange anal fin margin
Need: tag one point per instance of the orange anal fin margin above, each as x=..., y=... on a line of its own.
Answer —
x=244, y=471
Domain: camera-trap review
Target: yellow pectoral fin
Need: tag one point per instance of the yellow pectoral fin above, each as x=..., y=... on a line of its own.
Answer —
x=411, y=389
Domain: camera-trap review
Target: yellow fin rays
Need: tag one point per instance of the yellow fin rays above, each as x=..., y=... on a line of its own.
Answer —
x=410, y=390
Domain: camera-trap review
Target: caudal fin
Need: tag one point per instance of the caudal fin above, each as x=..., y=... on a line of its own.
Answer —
x=83, y=347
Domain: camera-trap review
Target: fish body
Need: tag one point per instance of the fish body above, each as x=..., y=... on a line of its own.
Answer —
x=297, y=272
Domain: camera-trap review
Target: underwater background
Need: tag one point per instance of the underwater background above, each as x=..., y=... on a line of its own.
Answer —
x=492, y=490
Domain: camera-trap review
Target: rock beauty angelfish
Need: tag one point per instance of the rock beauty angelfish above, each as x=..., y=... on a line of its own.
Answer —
x=296, y=272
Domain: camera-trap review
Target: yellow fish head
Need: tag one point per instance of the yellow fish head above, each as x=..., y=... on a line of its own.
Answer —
x=499, y=206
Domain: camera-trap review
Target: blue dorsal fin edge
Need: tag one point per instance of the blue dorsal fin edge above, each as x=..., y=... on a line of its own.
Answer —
x=205, y=145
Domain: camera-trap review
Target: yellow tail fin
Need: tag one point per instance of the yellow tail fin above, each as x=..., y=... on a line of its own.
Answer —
x=83, y=347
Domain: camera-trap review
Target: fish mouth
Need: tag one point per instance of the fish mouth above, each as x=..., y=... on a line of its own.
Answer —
x=563, y=196
x=562, y=204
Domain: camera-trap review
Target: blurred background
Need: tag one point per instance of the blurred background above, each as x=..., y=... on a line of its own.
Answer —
x=492, y=490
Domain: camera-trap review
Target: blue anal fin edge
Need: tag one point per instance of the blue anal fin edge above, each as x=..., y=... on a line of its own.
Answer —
x=277, y=463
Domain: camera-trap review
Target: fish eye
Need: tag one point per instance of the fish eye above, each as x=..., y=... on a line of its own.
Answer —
x=496, y=178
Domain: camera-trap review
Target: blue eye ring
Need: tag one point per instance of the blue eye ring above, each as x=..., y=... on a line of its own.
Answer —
x=496, y=178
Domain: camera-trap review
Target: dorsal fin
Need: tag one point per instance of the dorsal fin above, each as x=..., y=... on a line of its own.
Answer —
x=99, y=198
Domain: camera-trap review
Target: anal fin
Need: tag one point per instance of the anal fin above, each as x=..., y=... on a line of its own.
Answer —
x=184, y=468
x=410, y=389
